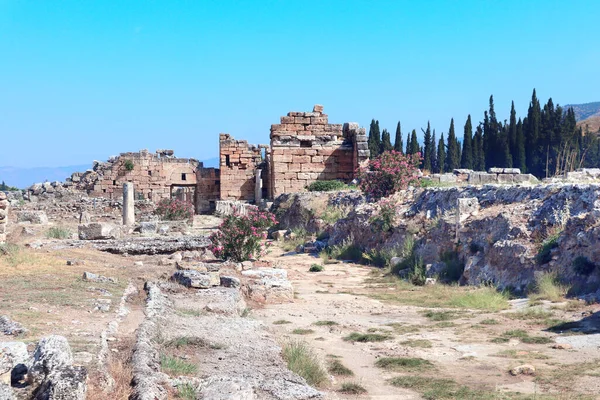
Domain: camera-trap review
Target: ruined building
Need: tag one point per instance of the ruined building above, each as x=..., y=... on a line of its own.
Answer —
x=304, y=148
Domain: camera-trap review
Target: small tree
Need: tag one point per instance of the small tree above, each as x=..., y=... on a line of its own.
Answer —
x=242, y=237
x=128, y=165
x=388, y=173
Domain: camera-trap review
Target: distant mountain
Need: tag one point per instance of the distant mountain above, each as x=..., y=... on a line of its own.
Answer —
x=592, y=123
x=25, y=177
x=584, y=111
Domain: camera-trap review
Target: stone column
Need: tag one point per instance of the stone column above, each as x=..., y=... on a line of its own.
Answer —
x=3, y=216
x=128, y=204
x=257, y=186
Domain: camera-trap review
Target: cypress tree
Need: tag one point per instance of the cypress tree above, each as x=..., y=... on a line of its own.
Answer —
x=519, y=154
x=453, y=156
x=398, y=141
x=433, y=157
x=467, y=150
x=478, y=150
x=414, y=143
x=512, y=134
x=441, y=155
x=532, y=133
x=408, y=145
x=386, y=141
x=374, y=139
x=427, y=148
x=3, y=186
x=503, y=142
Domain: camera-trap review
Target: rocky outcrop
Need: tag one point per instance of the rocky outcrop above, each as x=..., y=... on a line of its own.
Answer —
x=496, y=231
x=32, y=217
x=10, y=327
x=150, y=246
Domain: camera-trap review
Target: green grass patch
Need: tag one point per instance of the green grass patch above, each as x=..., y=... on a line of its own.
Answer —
x=403, y=329
x=521, y=355
x=547, y=287
x=326, y=186
x=544, y=254
x=489, y=321
x=352, y=388
x=441, y=315
x=445, y=324
x=335, y=367
x=175, y=366
x=281, y=322
x=302, y=331
x=316, y=268
x=186, y=391
x=58, y=232
x=404, y=364
x=366, y=337
x=302, y=360
x=523, y=336
x=325, y=323
x=423, y=343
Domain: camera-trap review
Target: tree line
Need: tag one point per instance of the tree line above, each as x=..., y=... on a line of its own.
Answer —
x=546, y=142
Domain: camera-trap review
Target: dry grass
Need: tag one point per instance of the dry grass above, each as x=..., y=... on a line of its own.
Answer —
x=302, y=360
x=121, y=372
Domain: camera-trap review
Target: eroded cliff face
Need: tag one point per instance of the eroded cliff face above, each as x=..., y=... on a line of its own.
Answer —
x=504, y=235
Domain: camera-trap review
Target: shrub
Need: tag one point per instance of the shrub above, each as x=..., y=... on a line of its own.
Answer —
x=352, y=388
x=326, y=186
x=336, y=367
x=316, y=268
x=174, y=210
x=383, y=221
x=388, y=173
x=454, y=268
x=547, y=287
x=403, y=363
x=366, y=337
x=128, y=165
x=583, y=266
x=175, y=366
x=345, y=251
x=378, y=257
x=57, y=232
x=241, y=237
x=301, y=360
x=544, y=256
x=333, y=214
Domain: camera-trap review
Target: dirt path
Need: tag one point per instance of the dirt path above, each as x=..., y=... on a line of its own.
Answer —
x=461, y=349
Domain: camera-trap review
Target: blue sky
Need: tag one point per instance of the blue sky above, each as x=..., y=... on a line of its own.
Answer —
x=82, y=80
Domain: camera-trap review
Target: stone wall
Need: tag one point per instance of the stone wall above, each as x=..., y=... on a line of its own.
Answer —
x=493, y=176
x=3, y=216
x=238, y=161
x=306, y=148
x=208, y=191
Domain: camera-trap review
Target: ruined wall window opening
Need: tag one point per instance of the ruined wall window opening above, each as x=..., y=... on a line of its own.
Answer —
x=149, y=173
x=305, y=143
x=183, y=177
x=114, y=183
x=227, y=163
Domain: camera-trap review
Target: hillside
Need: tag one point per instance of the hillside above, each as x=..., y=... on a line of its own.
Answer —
x=593, y=123
x=584, y=111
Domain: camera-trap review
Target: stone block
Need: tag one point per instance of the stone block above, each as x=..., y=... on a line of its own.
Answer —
x=505, y=178
x=318, y=108
x=196, y=279
x=467, y=207
x=511, y=171
x=495, y=170
x=98, y=231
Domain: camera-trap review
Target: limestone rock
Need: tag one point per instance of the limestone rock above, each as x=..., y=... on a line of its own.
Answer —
x=6, y=393
x=147, y=227
x=230, y=281
x=9, y=327
x=11, y=355
x=91, y=277
x=66, y=383
x=562, y=346
x=98, y=231
x=33, y=217
x=51, y=354
x=195, y=279
x=525, y=369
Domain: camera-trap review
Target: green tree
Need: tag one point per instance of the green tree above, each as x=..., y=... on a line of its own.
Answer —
x=386, y=141
x=3, y=187
x=374, y=140
x=467, y=151
x=519, y=160
x=398, y=140
x=453, y=155
x=427, y=148
x=478, y=151
x=512, y=134
x=531, y=128
x=414, y=143
x=441, y=155
x=434, y=165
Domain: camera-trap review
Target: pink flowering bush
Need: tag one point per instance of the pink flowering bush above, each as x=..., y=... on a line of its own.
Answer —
x=242, y=237
x=174, y=210
x=388, y=173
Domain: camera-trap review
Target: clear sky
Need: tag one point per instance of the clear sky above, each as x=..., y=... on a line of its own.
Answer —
x=83, y=79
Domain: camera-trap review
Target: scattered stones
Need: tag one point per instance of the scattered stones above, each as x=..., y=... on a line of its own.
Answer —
x=32, y=217
x=98, y=231
x=195, y=279
x=525, y=369
x=9, y=327
x=91, y=277
x=102, y=305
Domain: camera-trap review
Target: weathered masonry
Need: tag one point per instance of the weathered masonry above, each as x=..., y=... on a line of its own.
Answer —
x=304, y=148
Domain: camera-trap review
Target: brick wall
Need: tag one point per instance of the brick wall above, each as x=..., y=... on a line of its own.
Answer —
x=208, y=189
x=238, y=161
x=306, y=147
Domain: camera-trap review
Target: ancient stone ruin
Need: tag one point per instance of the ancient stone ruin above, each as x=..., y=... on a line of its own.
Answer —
x=3, y=216
x=304, y=148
